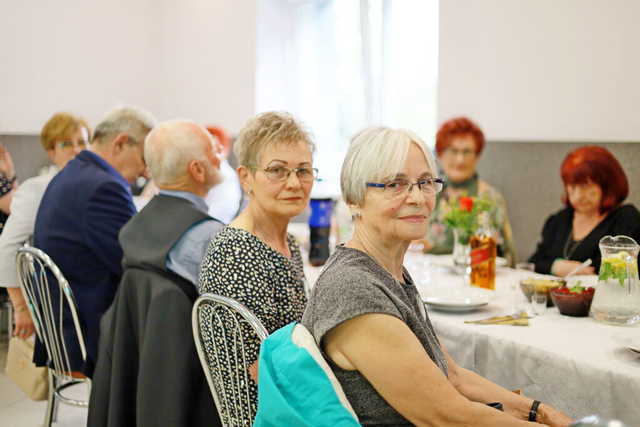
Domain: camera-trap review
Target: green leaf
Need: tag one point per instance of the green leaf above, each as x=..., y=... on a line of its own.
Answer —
x=606, y=271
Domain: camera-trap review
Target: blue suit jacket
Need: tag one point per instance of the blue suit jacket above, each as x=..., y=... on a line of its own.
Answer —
x=81, y=213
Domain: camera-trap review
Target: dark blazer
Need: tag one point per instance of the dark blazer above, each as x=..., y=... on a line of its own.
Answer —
x=624, y=220
x=148, y=372
x=83, y=209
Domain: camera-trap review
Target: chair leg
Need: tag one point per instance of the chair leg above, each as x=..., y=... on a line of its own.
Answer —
x=56, y=405
x=52, y=406
x=9, y=319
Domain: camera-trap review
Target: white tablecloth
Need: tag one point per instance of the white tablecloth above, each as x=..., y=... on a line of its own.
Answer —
x=576, y=364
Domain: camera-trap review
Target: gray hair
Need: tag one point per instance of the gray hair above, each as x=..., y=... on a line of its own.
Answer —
x=377, y=154
x=266, y=129
x=133, y=121
x=170, y=147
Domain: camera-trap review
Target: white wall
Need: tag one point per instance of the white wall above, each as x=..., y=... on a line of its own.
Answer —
x=209, y=60
x=544, y=70
x=193, y=58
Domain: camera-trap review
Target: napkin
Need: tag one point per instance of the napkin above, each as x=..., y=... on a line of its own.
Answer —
x=518, y=320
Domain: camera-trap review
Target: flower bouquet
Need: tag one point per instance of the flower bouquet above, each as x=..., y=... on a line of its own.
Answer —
x=463, y=220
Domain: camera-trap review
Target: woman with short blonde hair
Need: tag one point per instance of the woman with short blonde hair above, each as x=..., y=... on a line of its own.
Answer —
x=254, y=260
x=63, y=137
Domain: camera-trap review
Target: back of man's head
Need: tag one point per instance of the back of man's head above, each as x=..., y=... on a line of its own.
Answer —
x=132, y=121
x=170, y=149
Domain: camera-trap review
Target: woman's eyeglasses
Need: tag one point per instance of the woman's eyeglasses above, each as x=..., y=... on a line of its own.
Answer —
x=465, y=153
x=69, y=145
x=281, y=173
x=400, y=186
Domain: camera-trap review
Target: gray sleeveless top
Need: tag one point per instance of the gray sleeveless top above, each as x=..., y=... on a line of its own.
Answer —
x=352, y=284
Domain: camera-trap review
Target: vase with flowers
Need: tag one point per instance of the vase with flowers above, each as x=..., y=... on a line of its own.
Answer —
x=463, y=220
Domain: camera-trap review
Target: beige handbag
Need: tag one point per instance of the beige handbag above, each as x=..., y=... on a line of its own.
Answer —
x=32, y=380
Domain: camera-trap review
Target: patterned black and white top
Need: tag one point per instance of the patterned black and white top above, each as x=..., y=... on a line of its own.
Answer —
x=240, y=266
x=6, y=185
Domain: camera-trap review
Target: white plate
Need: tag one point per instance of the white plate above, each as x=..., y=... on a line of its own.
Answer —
x=501, y=262
x=457, y=305
x=634, y=345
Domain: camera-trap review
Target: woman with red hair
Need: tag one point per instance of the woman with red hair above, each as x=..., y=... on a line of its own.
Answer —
x=595, y=187
x=459, y=143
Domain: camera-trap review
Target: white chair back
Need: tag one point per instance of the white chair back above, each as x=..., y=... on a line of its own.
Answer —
x=220, y=326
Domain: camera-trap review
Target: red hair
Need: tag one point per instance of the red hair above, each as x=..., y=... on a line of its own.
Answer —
x=221, y=136
x=458, y=126
x=597, y=165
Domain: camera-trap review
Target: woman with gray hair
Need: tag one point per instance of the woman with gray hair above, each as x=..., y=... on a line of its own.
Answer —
x=254, y=260
x=367, y=316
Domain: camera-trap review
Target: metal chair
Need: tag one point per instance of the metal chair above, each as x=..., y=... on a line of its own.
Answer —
x=220, y=326
x=33, y=265
x=7, y=309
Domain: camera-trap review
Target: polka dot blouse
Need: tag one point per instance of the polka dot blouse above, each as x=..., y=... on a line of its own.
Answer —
x=240, y=266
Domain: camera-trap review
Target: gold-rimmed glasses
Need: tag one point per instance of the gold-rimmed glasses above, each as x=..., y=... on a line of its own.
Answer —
x=70, y=145
x=281, y=173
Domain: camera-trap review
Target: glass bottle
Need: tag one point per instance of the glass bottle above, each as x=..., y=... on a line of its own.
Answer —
x=483, y=255
x=319, y=230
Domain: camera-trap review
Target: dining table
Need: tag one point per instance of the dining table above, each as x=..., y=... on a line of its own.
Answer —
x=576, y=364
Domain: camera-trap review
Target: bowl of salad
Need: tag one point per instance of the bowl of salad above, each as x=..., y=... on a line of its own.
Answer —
x=573, y=301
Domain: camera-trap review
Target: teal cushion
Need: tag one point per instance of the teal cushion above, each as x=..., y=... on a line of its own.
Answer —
x=296, y=387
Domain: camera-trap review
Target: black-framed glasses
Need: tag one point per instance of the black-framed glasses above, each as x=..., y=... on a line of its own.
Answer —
x=281, y=173
x=400, y=186
x=69, y=145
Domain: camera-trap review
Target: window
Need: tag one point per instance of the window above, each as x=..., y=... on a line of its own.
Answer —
x=342, y=65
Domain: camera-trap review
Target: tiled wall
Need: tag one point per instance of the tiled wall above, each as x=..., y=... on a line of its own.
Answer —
x=528, y=175
x=27, y=154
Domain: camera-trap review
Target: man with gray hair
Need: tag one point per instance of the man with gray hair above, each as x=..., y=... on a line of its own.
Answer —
x=153, y=377
x=83, y=209
x=184, y=161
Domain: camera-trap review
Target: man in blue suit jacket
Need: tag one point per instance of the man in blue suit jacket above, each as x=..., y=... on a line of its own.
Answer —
x=81, y=213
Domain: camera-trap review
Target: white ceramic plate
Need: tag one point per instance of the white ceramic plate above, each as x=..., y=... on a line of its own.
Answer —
x=501, y=262
x=457, y=305
x=634, y=345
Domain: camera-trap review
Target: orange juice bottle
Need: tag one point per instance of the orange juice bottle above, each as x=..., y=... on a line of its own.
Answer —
x=483, y=255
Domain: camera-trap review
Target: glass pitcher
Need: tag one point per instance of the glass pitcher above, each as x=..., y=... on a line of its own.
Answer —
x=617, y=297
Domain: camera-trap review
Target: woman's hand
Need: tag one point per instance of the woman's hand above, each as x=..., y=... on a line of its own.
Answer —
x=562, y=267
x=21, y=316
x=24, y=324
x=6, y=163
x=253, y=371
x=552, y=417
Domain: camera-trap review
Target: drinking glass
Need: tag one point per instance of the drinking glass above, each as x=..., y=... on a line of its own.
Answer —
x=518, y=302
x=539, y=302
x=526, y=266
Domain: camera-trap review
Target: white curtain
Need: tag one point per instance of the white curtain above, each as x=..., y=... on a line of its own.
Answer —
x=341, y=65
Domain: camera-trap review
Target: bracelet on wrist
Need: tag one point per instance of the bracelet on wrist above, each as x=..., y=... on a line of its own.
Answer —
x=533, y=412
x=20, y=308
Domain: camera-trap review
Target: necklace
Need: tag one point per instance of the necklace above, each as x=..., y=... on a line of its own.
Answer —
x=570, y=245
